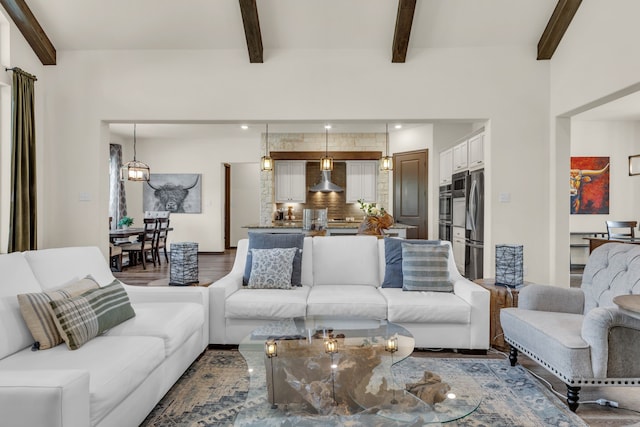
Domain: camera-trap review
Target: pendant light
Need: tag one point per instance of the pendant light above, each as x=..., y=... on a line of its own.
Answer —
x=135, y=170
x=326, y=162
x=386, y=162
x=266, y=163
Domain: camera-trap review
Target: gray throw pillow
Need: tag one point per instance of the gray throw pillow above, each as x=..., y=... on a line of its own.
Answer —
x=272, y=268
x=425, y=268
x=271, y=241
x=393, y=259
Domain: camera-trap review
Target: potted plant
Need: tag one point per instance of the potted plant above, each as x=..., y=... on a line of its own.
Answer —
x=125, y=222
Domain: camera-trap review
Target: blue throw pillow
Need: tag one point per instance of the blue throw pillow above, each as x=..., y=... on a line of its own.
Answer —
x=393, y=259
x=271, y=241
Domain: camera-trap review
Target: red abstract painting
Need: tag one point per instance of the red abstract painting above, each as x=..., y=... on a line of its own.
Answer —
x=589, y=181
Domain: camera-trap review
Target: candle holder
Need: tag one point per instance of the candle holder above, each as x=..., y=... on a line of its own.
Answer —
x=271, y=350
x=331, y=347
x=391, y=345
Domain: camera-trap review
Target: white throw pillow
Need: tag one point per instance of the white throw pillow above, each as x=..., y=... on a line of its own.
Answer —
x=272, y=268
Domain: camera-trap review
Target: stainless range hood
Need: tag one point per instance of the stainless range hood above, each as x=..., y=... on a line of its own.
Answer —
x=325, y=185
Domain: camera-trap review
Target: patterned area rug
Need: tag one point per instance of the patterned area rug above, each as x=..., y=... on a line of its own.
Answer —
x=214, y=389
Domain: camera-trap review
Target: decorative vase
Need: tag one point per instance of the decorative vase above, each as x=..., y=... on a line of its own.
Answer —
x=373, y=225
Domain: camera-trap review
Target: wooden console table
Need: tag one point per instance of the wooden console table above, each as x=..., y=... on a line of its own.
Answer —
x=501, y=297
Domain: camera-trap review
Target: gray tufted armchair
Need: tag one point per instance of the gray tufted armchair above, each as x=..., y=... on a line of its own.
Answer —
x=580, y=335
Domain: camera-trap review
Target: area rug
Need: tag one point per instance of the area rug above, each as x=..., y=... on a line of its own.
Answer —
x=214, y=389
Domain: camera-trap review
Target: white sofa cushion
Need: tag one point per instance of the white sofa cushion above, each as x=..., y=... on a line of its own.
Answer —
x=116, y=365
x=267, y=303
x=425, y=307
x=174, y=323
x=16, y=278
x=352, y=301
x=56, y=267
x=346, y=260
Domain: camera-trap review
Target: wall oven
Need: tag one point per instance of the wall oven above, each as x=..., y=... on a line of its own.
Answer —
x=446, y=203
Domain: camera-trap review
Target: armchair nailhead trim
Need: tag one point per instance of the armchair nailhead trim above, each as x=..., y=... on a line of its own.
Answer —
x=576, y=381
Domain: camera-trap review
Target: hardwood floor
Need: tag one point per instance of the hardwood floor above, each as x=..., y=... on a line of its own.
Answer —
x=215, y=266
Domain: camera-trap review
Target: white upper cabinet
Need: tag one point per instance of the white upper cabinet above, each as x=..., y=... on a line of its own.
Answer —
x=290, y=181
x=362, y=181
x=446, y=166
x=476, y=151
x=460, y=160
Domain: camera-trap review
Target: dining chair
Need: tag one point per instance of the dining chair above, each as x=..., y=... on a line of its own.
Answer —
x=145, y=245
x=614, y=229
x=115, y=257
x=161, y=239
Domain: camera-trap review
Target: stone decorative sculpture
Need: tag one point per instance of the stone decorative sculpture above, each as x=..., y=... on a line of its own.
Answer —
x=430, y=389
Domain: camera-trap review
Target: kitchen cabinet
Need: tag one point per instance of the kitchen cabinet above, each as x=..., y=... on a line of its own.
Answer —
x=362, y=181
x=458, y=247
x=446, y=166
x=290, y=181
x=460, y=157
x=476, y=151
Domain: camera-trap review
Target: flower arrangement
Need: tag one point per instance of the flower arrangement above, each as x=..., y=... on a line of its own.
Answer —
x=370, y=209
x=125, y=221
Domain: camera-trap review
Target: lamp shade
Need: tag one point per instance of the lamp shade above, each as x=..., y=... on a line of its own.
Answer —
x=135, y=171
x=183, y=263
x=509, y=265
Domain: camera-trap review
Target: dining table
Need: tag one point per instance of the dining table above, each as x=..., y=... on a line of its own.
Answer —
x=125, y=233
x=594, y=242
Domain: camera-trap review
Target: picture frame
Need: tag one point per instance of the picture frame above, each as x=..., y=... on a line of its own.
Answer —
x=173, y=192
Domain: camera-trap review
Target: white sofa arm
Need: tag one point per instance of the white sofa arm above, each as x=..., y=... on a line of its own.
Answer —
x=55, y=398
x=218, y=293
x=479, y=299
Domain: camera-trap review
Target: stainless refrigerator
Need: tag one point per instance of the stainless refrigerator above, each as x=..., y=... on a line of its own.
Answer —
x=474, y=242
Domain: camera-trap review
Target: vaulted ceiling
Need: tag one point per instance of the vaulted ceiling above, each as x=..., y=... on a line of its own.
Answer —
x=260, y=26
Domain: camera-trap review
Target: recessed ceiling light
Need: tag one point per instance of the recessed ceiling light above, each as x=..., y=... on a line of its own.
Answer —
x=327, y=126
x=398, y=126
x=244, y=127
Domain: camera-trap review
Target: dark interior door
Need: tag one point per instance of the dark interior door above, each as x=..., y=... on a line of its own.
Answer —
x=410, y=191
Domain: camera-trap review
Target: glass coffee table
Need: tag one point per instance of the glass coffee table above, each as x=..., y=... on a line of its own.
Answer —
x=337, y=371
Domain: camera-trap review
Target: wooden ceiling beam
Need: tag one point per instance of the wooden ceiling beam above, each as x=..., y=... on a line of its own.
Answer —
x=556, y=27
x=249, y=10
x=404, y=21
x=31, y=30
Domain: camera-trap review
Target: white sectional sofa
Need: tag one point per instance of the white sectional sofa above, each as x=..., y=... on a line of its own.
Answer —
x=342, y=276
x=114, y=379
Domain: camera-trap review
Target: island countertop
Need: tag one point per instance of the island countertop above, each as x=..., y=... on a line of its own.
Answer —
x=333, y=228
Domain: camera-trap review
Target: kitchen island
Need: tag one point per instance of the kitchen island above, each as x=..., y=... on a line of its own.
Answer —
x=334, y=228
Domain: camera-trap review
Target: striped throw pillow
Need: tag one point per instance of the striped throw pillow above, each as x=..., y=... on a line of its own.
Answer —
x=81, y=318
x=35, y=311
x=425, y=268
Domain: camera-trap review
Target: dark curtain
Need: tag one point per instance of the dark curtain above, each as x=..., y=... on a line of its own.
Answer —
x=117, y=197
x=23, y=213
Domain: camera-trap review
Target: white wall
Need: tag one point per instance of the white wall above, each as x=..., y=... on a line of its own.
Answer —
x=245, y=199
x=597, y=57
x=616, y=140
x=506, y=85
x=16, y=52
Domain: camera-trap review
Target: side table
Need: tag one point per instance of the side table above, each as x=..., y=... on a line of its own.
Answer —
x=501, y=297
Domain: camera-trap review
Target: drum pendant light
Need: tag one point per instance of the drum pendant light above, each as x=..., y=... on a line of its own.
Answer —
x=135, y=170
x=266, y=163
x=386, y=162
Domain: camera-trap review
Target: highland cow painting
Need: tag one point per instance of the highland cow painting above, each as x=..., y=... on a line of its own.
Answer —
x=589, y=180
x=173, y=192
